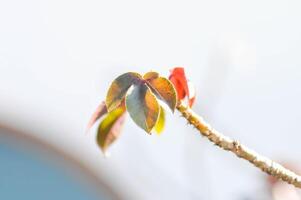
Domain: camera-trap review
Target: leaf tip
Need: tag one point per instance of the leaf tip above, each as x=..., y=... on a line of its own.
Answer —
x=105, y=153
x=100, y=111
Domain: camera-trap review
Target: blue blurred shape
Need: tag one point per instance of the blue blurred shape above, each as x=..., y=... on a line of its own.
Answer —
x=24, y=175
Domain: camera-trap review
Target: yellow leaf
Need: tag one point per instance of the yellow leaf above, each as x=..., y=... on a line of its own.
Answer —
x=110, y=127
x=159, y=127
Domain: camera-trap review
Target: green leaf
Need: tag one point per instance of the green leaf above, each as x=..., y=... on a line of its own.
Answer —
x=110, y=127
x=159, y=127
x=150, y=75
x=165, y=91
x=143, y=107
x=119, y=88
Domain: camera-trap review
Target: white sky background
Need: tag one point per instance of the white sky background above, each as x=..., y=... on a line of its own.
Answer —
x=58, y=57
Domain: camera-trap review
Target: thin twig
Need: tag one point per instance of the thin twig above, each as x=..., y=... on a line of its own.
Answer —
x=265, y=164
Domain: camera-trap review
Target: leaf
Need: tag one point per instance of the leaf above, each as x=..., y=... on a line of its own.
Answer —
x=143, y=107
x=110, y=127
x=159, y=127
x=151, y=75
x=183, y=87
x=165, y=91
x=178, y=78
x=99, y=112
x=119, y=88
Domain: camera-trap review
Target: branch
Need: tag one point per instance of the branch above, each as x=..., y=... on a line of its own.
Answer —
x=265, y=164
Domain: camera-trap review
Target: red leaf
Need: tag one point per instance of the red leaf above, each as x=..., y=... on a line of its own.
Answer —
x=178, y=78
x=99, y=112
x=183, y=87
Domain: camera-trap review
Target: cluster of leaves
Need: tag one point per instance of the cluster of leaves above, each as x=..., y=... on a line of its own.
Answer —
x=141, y=96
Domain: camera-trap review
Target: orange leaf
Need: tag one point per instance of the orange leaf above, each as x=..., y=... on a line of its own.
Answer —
x=150, y=75
x=164, y=90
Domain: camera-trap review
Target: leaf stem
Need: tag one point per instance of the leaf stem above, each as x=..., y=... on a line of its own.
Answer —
x=265, y=164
